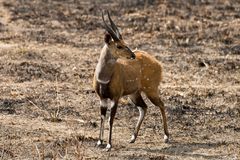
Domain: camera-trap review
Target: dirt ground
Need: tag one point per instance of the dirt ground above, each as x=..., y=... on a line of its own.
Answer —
x=48, y=53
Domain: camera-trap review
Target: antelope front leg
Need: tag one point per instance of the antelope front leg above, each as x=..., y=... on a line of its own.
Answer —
x=103, y=110
x=113, y=111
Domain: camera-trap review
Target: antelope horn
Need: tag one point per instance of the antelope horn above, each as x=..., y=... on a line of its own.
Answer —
x=110, y=30
x=114, y=27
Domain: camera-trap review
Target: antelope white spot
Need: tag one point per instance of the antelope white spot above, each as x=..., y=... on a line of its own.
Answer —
x=147, y=79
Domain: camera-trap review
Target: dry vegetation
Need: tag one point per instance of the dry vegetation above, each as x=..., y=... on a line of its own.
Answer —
x=48, y=52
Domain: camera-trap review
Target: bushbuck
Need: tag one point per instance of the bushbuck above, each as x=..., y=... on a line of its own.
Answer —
x=120, y=72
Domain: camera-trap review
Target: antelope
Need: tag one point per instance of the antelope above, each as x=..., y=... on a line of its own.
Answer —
x=120, y=72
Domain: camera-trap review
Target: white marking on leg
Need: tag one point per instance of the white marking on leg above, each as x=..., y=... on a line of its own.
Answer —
x=165, y=138
x=99, y=142
x=103, y=102
x=133, y=139
x=112, y=103
x=102, y=116
x=108, y=146
x=141, y=113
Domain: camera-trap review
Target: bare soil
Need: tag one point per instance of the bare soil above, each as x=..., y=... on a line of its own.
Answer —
x=48, y=52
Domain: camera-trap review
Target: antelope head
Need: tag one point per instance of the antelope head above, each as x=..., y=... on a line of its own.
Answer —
x=114, y=41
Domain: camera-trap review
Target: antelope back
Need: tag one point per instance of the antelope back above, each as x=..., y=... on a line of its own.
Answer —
x=151, y=71
x=144, y=73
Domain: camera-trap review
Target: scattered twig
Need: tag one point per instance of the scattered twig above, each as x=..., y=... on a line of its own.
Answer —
x=2, y=154
x=54, y=116
x=38, y=152
x=37, y=107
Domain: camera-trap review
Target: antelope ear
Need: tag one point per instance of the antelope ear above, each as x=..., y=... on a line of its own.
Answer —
x=107, y=38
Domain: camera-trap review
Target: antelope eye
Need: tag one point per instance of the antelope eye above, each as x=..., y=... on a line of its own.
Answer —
x=119, y=47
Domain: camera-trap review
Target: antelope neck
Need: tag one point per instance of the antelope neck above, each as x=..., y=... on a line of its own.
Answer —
x=105, y=66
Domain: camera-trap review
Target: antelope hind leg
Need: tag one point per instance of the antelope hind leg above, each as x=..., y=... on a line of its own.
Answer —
x=136, y=98
x=156, y=100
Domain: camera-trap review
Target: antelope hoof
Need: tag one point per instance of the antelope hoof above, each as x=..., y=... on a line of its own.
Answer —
x=133, y=139
x=166, y=139
x=108, y=147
